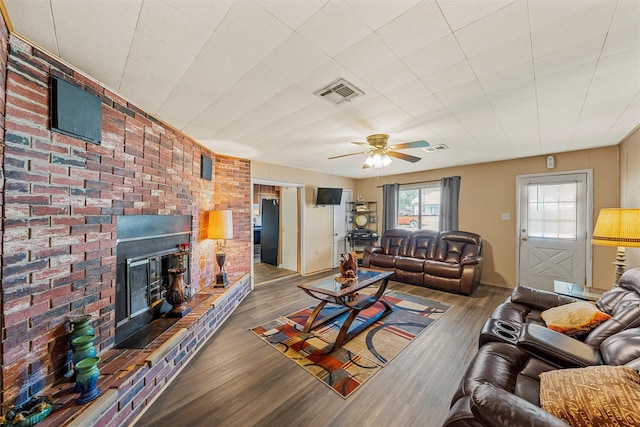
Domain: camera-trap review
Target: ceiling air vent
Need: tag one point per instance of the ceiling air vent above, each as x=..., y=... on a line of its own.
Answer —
x=339, y=91
x=434, y=148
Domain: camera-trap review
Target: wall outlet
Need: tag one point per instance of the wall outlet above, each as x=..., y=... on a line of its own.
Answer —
x=506, y=216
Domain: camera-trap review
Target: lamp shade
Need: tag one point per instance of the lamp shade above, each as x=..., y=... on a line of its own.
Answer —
x=220, y=225
x=617, y=227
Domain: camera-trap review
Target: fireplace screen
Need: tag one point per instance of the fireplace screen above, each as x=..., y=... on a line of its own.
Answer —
x=145, y=280
x=148, y=245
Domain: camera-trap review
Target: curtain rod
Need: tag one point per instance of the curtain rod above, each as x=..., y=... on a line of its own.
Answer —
x=413, y=183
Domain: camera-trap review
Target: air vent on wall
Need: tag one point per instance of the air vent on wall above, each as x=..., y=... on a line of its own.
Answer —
x=434, y=148
x=339, y=91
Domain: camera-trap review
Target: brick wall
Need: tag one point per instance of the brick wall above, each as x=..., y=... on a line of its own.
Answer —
x=61, y=199
x=4, y=35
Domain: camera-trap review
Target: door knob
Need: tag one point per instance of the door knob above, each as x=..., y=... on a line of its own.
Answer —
x=525, y=239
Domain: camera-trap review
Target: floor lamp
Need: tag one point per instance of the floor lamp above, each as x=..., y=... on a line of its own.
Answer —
x=618, y=227
x=220, y=229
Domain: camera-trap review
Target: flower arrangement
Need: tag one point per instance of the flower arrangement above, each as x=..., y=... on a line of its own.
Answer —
x=184, y=247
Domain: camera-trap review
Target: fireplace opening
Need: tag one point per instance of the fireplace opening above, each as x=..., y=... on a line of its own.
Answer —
x=147, y=247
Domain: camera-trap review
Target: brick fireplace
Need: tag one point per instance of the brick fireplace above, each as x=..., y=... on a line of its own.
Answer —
x=61, y=201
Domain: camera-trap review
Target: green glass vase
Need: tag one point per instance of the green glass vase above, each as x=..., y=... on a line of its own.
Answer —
x=83, y=348
x=80, y=325
x=87, y=379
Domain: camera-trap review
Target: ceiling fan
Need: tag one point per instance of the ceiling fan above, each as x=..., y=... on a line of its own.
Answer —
x=380, y=153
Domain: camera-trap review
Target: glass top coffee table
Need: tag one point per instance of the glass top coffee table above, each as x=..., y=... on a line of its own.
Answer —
x=335, y=290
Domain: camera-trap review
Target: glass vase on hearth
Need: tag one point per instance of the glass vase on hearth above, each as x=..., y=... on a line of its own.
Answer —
x=80, y=325
x=87, y=380
x=83, y=349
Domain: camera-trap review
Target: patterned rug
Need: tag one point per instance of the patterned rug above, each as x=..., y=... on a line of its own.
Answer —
x=347, y=368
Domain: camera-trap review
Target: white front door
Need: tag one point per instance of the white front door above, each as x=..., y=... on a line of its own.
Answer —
x=553, y=223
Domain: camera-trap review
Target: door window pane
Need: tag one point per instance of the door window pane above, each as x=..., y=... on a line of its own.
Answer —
x=552, y=210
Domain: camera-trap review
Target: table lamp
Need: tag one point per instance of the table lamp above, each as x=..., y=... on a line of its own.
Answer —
x=618, y=227
x=220, y=229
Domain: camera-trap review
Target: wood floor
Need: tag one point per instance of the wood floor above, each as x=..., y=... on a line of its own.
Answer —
x=238, y=380
x=266, y=273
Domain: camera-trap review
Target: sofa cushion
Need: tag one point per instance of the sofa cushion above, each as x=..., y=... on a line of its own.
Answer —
x=621, y=348
x=621, y=320
x=453, y=246
x=410, y=264
x=537, y=298
x=381, y=260
x=518, y=313
x=574, y=319
x=443, y=269
x=595, y=395
x=422, y=244
x=496, y=407
x=395, y=241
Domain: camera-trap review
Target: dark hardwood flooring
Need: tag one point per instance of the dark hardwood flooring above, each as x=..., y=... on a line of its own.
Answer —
x=238, y=380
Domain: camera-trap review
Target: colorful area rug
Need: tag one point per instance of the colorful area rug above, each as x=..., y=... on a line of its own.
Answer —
x=347, y=368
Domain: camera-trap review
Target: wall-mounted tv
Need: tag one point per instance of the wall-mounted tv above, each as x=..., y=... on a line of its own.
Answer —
x=75, y=112
x=328, y=196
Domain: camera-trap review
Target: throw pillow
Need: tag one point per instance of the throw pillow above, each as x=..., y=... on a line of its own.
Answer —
x=575, y=318
x=602, y=395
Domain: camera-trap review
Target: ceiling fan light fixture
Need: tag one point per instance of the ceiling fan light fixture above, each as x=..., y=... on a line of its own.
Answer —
x=369, y=161
x=377, y=160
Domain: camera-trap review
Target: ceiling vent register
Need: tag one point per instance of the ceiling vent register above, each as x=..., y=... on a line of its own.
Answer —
x=435, y=148
x=339, y=91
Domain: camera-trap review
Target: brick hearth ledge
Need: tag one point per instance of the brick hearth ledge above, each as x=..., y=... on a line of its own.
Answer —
x=130, y=379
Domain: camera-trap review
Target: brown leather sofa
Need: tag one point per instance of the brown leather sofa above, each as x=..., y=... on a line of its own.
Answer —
x=446, y=260
x=502, y=386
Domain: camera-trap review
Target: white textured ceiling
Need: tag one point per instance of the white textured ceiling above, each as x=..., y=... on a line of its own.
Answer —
x=491, y=79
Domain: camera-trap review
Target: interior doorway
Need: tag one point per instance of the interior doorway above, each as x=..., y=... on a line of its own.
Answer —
x=276, y=221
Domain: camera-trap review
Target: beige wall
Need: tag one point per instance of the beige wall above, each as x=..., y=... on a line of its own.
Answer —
x=630, y=183
x=318, y=221
x=489, y=189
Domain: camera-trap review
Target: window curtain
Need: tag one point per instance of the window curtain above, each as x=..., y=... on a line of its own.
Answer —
x=449, y=194
x=390, y=199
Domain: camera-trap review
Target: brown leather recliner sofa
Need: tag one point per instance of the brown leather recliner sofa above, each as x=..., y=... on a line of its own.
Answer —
x=501, y=386
x=446, y=260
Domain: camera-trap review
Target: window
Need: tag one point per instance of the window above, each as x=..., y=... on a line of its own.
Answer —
x=419, y=206
x=551, y=210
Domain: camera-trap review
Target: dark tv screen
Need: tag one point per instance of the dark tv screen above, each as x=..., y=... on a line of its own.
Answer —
x=329, y=196
x=75, y=112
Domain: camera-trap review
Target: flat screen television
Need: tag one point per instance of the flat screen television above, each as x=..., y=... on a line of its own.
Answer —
x=75, y=112
x=328, y=196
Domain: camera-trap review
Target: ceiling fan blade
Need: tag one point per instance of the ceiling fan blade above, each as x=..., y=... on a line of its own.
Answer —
x=403, y=156
x=412, y=144
x=366, y=144
x=345, y=155
x=365, y=166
